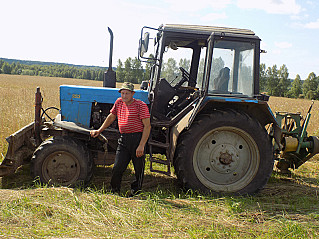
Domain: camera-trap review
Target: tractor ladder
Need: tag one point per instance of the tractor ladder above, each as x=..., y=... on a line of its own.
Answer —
x=160, y=161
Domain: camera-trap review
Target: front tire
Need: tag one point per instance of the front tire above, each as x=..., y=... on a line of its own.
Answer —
x=62, y=161
x=224, y=152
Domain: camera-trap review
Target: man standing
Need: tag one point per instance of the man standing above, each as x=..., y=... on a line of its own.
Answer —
x=134, y=125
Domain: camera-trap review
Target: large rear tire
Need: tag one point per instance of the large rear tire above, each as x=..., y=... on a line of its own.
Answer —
x=224, y=152
x=62, y=161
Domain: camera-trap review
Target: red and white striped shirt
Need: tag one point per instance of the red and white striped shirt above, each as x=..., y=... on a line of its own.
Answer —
x=130, y=116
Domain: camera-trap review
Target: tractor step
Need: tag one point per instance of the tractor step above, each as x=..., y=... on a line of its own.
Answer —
x=158, y=144
x=155, y=160
x=159, y=161
x=160, y=171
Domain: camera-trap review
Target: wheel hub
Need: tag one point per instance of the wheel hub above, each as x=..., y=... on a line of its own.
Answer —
x=60, y=170
x=224, y=158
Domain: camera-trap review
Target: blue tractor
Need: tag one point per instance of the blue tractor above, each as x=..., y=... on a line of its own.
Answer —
x=209, y=120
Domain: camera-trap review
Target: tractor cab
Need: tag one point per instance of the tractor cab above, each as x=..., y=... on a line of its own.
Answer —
x=190, y=62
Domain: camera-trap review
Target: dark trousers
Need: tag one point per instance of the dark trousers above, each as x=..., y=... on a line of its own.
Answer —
x=126, y=150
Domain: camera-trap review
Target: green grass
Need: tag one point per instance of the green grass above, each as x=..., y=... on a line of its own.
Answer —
x=287, y=208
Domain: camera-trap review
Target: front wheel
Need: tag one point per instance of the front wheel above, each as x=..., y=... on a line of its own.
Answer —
x=63, y=161
x=224, y=152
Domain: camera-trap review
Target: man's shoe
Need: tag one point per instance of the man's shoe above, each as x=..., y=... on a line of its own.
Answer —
x=133, y=193
x=115, y=191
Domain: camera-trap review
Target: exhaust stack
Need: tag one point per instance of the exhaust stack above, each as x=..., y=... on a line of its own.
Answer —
x=110, y=75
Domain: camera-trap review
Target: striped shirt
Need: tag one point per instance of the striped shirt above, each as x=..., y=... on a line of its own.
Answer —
x=130, y=116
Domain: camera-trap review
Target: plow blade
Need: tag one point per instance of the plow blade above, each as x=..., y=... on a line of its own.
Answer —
x=21, y=147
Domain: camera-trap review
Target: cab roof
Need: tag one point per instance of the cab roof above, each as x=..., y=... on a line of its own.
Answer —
x=205, y=30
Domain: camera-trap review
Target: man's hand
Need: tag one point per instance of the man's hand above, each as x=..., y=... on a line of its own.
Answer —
x=94, y=133
x=146, y=132
x=107, y=122
x=139, y=151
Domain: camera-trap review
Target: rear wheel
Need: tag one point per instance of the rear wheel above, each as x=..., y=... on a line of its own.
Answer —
x=63, y=161
x=224, y=152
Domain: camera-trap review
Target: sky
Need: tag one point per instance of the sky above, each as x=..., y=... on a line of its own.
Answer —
x=75, y=31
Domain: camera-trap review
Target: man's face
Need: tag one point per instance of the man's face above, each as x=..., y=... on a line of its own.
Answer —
x=127, y=96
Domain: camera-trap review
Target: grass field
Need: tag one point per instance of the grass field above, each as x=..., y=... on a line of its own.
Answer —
x=287, y=208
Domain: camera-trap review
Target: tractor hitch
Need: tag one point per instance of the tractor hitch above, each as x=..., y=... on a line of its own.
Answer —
x=21, y=147
x=298, y=147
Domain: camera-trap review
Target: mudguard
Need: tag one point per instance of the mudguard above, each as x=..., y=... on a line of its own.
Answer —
x=71, y=126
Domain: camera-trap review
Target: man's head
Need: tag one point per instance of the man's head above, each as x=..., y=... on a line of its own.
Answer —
x=127, y=86
x=127, y=92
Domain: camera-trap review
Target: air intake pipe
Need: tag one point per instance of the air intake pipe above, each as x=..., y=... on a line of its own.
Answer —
x=110, y=75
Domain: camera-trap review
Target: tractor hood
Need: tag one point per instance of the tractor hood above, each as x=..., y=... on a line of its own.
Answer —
x=76, y=101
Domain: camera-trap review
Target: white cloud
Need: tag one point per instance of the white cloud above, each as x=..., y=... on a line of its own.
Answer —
x=295, y=17
x=272, y=6
x=193, y=6
x=283, y=45
x=276, y=52
x=311, y=3
x=312, y=25
x=214, y=16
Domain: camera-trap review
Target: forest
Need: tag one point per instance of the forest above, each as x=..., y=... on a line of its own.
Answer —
x=274, y=80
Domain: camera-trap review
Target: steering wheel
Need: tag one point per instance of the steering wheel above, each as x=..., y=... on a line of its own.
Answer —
x=185, y=77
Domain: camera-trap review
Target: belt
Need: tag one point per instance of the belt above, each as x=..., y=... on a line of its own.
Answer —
x=131, y=134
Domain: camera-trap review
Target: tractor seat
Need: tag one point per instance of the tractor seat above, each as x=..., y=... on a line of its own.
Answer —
x=221, y=82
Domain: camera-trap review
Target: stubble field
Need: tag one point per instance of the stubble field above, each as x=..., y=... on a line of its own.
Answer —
x=287, y=208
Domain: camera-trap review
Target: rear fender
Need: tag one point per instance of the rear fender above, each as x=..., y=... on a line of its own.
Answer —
x=257, y=109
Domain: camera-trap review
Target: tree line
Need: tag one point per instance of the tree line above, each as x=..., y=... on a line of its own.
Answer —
x=131, y=70
x=54, y=70
x=273, y=80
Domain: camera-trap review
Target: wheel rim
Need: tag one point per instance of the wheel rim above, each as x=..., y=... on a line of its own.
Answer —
x=61, y=167
x=226, y=159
